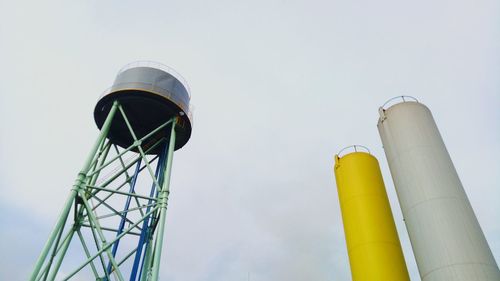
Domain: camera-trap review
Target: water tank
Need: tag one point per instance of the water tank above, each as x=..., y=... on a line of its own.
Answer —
x=151, y=94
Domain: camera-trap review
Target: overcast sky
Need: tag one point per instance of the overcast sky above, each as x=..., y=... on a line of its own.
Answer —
x=278, y=88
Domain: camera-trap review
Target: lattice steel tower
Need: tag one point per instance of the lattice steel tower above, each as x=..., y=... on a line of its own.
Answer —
x=113, y=222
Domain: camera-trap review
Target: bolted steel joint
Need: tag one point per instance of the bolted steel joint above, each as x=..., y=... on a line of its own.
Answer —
x=137, y=143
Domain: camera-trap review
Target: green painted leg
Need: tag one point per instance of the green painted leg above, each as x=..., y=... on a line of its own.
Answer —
x=61, y=256
x=79, y=184
x=146, y=267
x=162, y=204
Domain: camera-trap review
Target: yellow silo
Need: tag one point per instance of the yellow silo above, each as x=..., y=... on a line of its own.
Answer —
x=373, y=245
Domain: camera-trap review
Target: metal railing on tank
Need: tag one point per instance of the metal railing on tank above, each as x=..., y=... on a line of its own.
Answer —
x=353, y=148
x=398, y=99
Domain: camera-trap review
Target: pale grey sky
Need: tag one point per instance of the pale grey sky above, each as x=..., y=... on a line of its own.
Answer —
x=279, y=87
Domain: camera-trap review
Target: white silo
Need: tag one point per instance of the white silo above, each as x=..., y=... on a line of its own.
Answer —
x=447, y=240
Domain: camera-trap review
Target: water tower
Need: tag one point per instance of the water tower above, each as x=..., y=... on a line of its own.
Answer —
x=113, y=222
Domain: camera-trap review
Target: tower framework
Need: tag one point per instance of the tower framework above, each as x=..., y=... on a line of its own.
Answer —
x=113, y=222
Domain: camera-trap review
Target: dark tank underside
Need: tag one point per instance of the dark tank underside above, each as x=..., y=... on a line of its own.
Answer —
x=145, y=111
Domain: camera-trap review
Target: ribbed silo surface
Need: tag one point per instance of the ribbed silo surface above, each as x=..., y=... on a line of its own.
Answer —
x=447, y=240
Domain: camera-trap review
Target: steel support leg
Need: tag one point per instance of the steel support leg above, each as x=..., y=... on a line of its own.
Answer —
x=138, y=264
x=162, y=205
x=79, y=185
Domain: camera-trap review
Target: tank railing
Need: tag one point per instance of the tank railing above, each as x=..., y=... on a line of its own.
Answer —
x=355, y=148
x=160, y=66
x=403, y=98
x=166, y=93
